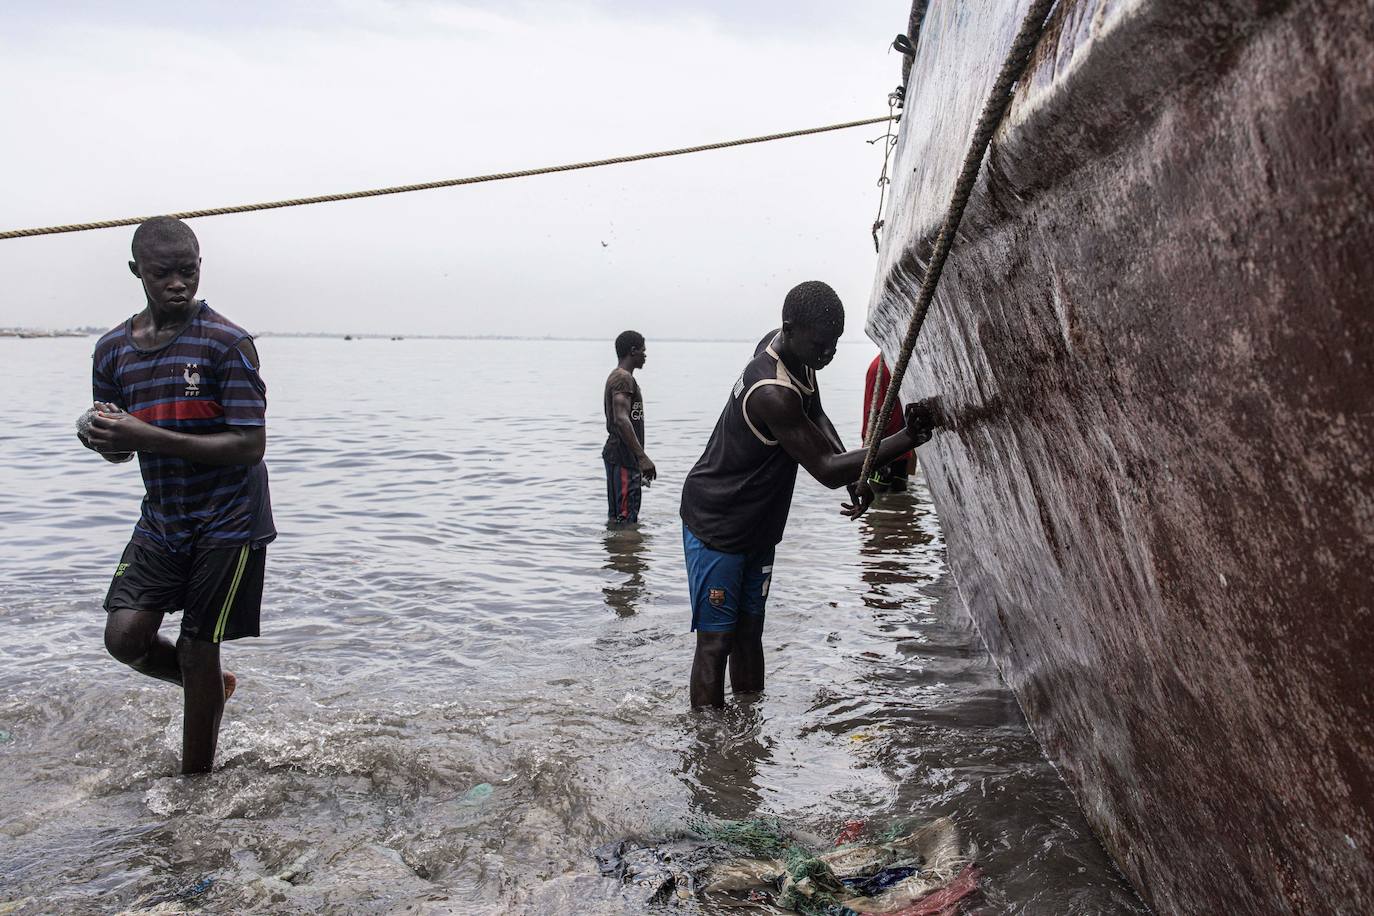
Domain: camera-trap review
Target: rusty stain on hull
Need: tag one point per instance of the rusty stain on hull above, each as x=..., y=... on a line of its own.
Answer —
x=1154, y=341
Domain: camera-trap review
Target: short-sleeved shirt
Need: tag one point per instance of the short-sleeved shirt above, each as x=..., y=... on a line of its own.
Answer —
x=197, y=383
x=737, y=497
x=616, y=450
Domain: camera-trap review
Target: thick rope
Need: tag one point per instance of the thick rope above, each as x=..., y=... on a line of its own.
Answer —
x=447, y=183
x=1032, y=27
x=875, y=403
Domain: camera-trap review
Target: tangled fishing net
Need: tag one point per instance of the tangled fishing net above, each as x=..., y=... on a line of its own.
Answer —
x=920, y=872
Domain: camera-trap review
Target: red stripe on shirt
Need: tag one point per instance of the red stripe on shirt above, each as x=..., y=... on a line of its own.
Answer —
x=205, y=409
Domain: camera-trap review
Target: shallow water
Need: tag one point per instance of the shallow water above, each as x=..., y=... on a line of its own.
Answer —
x=445, y=609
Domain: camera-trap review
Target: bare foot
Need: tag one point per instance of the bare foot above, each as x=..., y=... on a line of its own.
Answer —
x=230, y=684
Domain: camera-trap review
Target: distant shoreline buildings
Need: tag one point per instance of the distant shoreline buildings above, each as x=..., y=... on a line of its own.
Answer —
x=96, y=332
x=46, y=332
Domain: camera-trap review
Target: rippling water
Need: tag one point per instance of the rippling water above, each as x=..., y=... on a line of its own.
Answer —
x=445, y=609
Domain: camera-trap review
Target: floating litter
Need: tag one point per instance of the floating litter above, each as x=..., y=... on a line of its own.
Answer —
x=477, y=794
x=198, y=888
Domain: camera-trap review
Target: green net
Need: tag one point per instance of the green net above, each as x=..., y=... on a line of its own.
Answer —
x=808, y=883
x=761, y=836
x=811, y=888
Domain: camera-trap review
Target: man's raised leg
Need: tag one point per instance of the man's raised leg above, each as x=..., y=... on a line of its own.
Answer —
x=708, y=669
x=131, y=637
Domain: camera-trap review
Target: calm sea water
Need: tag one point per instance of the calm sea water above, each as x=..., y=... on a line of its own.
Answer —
x=445, y=610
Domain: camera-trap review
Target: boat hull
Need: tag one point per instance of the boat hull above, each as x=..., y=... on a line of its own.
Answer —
x=1154, y=346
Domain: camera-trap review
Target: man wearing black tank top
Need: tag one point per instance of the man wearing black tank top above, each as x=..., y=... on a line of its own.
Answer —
x=736, y=499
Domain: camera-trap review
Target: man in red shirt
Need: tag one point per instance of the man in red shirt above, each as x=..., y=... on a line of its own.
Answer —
x=893, y=477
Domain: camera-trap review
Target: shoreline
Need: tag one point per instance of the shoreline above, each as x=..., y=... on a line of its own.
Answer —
x=38, y=333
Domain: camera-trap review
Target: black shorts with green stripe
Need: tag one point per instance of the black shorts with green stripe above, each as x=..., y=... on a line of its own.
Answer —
x=218, y=589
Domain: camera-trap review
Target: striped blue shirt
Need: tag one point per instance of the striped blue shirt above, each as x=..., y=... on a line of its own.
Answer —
x=196, y=383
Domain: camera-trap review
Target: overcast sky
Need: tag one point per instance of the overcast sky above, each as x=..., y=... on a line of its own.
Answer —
x=135, y=108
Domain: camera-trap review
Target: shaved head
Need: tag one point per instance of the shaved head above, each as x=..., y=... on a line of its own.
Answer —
x=162, y=232
x=814, y=304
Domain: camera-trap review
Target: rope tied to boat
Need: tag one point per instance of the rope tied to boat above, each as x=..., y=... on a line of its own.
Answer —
x=1027, y=37
x=889, y=141
x=446, y=183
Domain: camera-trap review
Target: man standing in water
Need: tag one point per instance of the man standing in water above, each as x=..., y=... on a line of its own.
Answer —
x=736, y=499
x=628, y=468
x=178, y=383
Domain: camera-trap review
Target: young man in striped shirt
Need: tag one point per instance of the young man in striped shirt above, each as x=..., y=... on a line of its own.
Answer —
x=178, y=384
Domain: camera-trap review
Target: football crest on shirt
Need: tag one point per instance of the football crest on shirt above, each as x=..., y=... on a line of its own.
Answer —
x=192, y=376
x=716, y=596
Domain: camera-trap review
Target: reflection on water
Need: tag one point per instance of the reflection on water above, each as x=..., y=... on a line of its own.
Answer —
x=892, y=531
x=465, y=683
x=721, y=763
x=626, y=550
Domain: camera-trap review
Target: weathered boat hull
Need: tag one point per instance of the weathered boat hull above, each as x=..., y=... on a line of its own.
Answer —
x=1154, y=341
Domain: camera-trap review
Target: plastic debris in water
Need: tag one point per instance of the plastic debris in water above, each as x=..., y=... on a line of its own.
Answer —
x=875, y=884
x=5, y=737
x=166, y=901
x=197, y=889
x=947, y=898
x=477, y=794
x=850, y=832
x=914, y=874
x=654, y=874
x=290, y=873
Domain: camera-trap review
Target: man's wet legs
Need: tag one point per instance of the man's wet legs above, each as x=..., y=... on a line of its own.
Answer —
x=746, y=655
x=203, y=685
x=132, y=638
x=708, y=669
x=740, y=652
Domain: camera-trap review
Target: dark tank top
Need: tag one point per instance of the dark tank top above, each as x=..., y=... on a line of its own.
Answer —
x=737, y=497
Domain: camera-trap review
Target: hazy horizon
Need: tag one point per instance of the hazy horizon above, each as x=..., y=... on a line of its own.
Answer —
x=157, y=107
x=95, y=331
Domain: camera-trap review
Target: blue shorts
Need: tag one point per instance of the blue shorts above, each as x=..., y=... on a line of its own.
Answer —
x=724, y=585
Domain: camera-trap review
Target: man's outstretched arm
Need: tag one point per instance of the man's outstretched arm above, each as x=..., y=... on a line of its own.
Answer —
x=781, y=410
x=822, y=420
